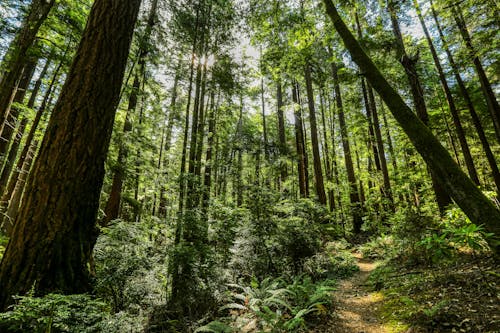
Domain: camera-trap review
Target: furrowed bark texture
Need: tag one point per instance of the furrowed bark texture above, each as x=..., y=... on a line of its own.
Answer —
x=58, y=215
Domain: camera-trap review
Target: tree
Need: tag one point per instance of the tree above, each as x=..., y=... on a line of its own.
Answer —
x=17, y=55
x=58, y=215
x=469, y=198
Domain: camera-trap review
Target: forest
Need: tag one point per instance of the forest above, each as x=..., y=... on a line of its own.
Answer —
x=249, y=166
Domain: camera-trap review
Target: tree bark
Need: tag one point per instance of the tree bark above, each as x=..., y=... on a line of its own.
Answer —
x=281, y=131
x=318, y=173
x=51, y=241
x=299, y=143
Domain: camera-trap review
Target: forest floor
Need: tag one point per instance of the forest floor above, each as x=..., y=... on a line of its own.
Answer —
x=356, y=308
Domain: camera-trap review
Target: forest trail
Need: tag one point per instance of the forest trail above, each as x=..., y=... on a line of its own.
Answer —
x=356, y=308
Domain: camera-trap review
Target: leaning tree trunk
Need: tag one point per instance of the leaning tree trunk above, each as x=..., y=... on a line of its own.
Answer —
x=472, y=201
x=51, y=242
x=17, y=55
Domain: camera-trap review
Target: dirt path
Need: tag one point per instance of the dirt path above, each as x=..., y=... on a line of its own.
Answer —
x=356, y=309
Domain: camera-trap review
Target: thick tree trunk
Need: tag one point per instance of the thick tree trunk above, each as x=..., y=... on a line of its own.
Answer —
x=318, y=173
x=472, y=201
x=51, y=241
x=17, y=55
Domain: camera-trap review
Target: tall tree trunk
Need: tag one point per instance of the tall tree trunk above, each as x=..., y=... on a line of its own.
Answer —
x=15, y=199
x=7, y=169
x=326, y=153
x=207, y=182
x=12, y=119
x=354, y=197
x=409, y=64
x=299, y=142
x=386, y=189
x=489, y=95
x=472, y=201
x=17, y=56
x=470, y=106
x=112, y=207
x=318, y=173
x=54, y=229
x=283, y=149
x=469, y=162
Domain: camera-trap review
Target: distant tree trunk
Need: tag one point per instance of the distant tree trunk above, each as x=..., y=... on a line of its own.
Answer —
x=488, y=93
x=9, y=164
x=12, y=119
x=356, y=209
x=328, y=167
x=54, y=229
x=468, y=101
x=386, y=189
x=239, y=171
x=283, y=149
x=207, y=182
x=318, y=173
x=409, y=64
x=17, y=55
x=469, y=162
x=15, y=199
x=112, y=207
x=474, y=203
x=167, y=143
x=264, y=124
x=299, y=142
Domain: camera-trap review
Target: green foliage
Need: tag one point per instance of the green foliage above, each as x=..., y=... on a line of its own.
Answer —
x=275, y=305
x=4, y=240
x=129, y=266
x=55, y=313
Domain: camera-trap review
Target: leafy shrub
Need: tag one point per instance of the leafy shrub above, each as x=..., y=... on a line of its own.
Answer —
x=382, y=247
x=55, y=313
x=129, y=268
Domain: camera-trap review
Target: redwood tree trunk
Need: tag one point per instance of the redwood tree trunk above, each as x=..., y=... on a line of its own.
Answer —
x=51, y=242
